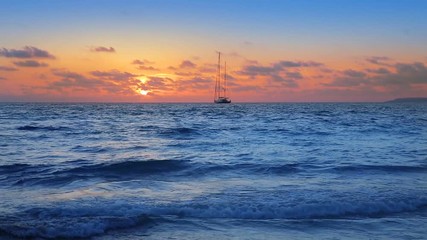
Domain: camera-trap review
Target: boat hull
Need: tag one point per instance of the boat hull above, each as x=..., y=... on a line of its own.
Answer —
x=222, y=100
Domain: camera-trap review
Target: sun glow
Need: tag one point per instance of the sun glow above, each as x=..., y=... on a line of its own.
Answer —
x=143, y=92
x=165, y=75
x=143, y=79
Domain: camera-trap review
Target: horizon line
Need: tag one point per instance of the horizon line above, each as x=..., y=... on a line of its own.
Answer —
x=191, y=102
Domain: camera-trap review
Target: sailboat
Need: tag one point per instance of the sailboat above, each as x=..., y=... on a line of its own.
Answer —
x=221, y=86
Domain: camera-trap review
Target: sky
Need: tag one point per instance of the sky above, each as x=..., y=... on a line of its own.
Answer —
x=166, y=50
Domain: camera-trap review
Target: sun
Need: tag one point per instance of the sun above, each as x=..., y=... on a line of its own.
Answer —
x=143, y=92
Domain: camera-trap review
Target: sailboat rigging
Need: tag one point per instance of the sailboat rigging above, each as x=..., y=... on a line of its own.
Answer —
x=221, y=86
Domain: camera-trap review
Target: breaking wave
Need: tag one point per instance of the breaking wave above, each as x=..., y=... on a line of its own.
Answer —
x=83, y=220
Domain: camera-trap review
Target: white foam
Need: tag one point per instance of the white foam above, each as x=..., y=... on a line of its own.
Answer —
x=91, y=216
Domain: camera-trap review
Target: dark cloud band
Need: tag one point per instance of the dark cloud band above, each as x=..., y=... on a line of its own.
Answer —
x=30, y=63
x=103, y=49
x=7, y=69
x=26, y=52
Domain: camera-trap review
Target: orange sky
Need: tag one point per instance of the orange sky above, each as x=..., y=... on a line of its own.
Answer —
x=140, y=51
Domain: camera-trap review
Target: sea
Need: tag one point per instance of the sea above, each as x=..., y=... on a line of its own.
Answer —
x=213, y=171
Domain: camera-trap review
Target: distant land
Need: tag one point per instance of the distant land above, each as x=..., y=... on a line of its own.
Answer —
x=403, y=100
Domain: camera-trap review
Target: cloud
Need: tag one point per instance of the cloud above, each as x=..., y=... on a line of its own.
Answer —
x=30, y=63
x=165, y=85
x=294, y=75
x=26, y=52
x=138, y=62
x=289, y=83
x=66, y=74
x=246, y=88
x=187, y=64
x=142, y=62
x=278, y=75
x=184, y=74
x=208, y=68
x=384, y=61
x=349, y=78
x=196, y=83
x=113, y=75
x=414, y=68
x=354, y=73
x=402, y=75
x=379, y=71
x=2, y=78
x=292, y=64
x=7, y=69
x=408, y=73
x=73, y=80
x=103, y=49
x=111, y=82
x=255, y=70
x=147, y=68
x=399, y=75
x=143, y=65
x=156, y=84
x=347, y=82
x=276, y=68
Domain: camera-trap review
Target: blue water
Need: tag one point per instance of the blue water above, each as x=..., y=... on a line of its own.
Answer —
x=206, y=171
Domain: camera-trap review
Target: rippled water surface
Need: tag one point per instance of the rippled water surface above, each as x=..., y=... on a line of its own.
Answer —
x=204, y=171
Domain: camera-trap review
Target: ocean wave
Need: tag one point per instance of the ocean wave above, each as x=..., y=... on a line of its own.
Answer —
x=92, y=149
x=183, y=133
x=170, y=132
x=18, y=174
x=17, y=167
x=42, y=128
x=250, y=168
x=381, y=168
x=71, y=227
x=51, y=175
x=333, y=209
x=28, y=175
x=25, y=174
x=87, y=219
x=149, y=128
x=132, y=167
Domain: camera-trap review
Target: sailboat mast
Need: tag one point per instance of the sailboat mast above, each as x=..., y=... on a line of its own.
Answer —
x=221, y=85
x=225, y=79
x=217, y=78
x=219, y=74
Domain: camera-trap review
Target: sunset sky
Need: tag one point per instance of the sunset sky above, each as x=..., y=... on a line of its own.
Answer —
x=165, y=50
